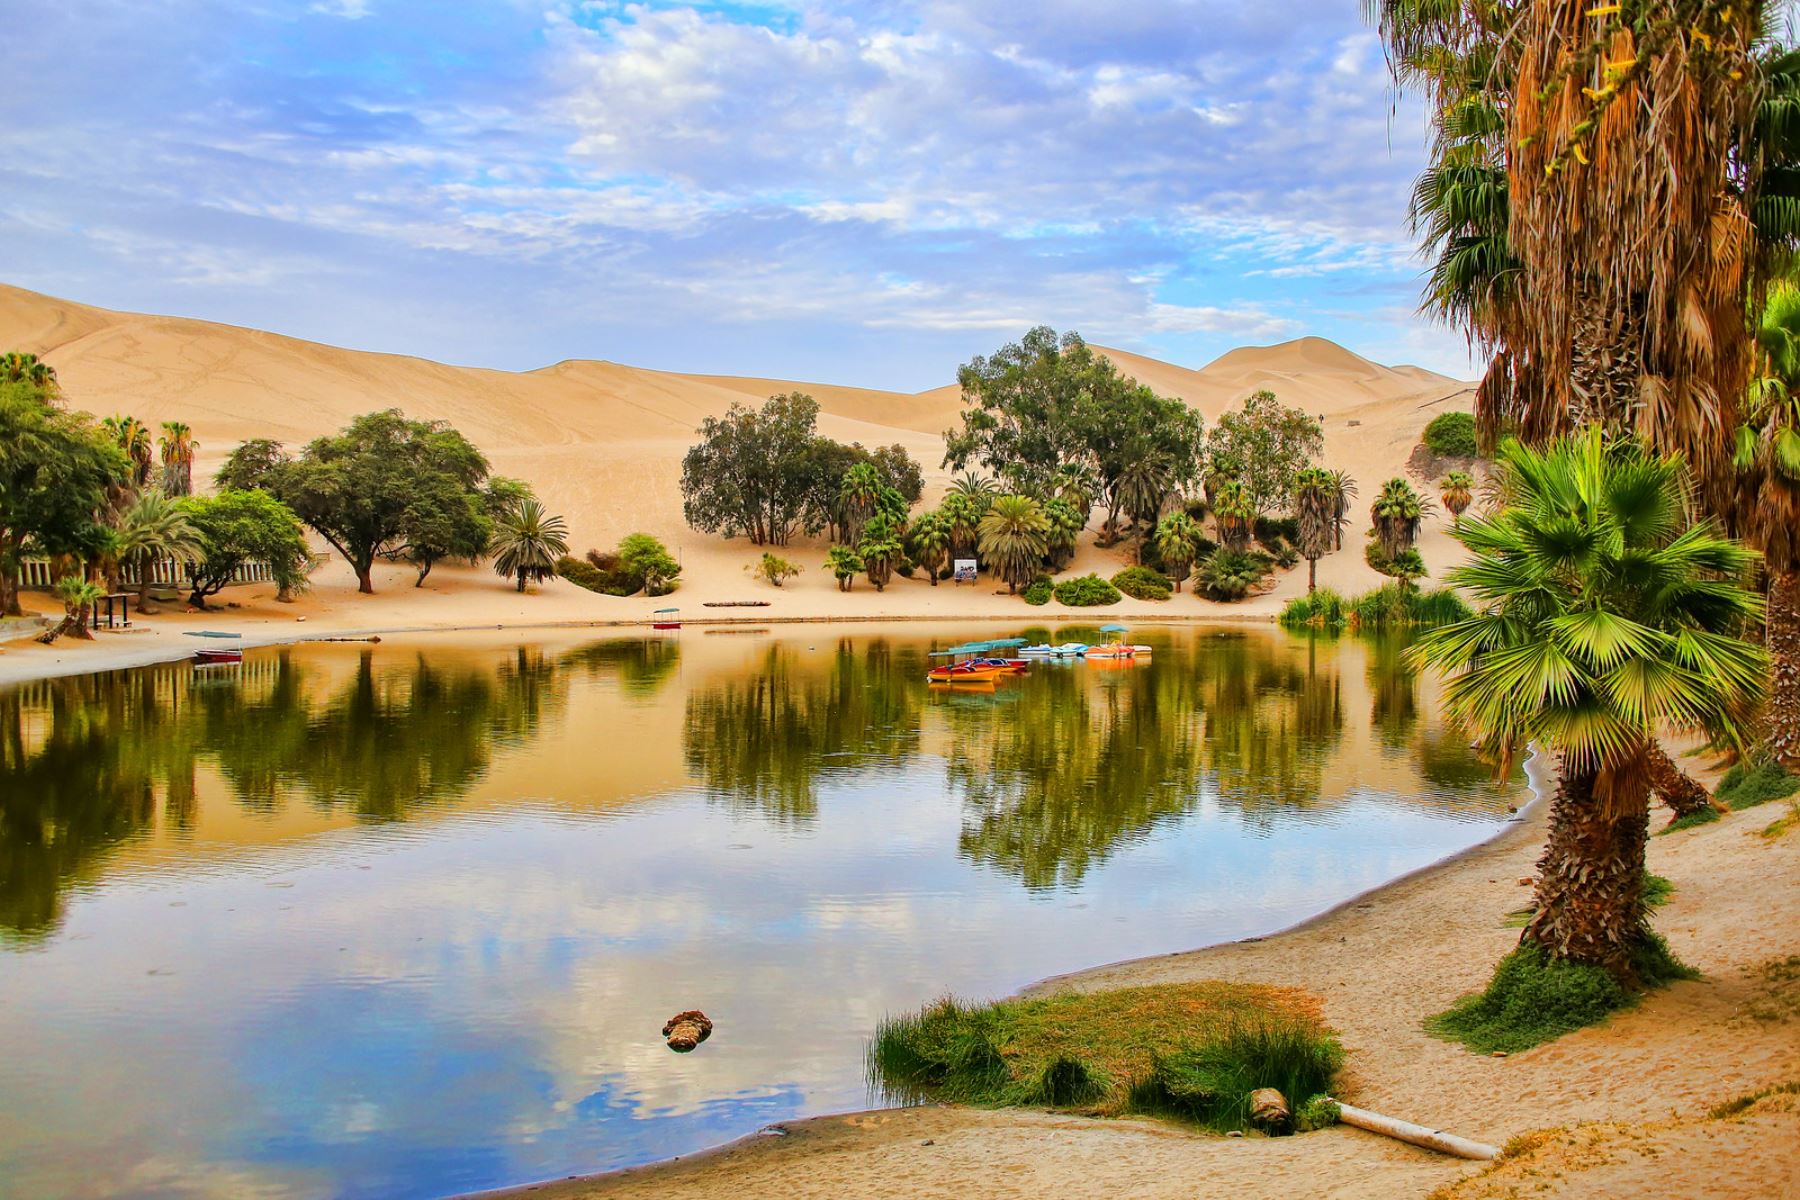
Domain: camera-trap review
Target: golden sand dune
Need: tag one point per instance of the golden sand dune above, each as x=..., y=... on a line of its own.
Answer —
x=602, y=441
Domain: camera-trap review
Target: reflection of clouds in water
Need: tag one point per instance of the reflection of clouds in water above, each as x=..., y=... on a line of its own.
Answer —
x=474, y=999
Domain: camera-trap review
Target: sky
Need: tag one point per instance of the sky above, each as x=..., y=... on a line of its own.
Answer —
x=851, y=191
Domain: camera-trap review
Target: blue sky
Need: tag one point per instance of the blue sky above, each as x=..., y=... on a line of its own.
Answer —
x=863, y=192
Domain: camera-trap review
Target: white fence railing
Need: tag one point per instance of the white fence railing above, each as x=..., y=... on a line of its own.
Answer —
x=37, y=573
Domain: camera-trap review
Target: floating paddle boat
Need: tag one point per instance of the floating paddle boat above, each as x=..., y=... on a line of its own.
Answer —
x=218, y=656
x=1065, y=650
x=973, y=661
x=1117, y=647
x=666, y=618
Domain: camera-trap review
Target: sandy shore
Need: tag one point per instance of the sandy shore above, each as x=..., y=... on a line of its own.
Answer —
x=1631, y=1096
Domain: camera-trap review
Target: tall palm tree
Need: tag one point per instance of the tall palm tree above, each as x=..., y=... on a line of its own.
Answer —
x=1076, y=484
x=1013, y=538
x=1177, y=541
x=929, y=539
x=880, y=549
x=1768, y=454
x=962, y=517
x=1314, y=507
x=1064, y=524
x=1396, y=516
x=133, y=437
x=155, y=530
x=177, y=446
x=1343, y=491
x=16, y=366
x=857, y=497
x=1458, y=493
x=1141, y=490
x=977, y=489
x=1604, y=615
x=528, y=542
x=1234, y=514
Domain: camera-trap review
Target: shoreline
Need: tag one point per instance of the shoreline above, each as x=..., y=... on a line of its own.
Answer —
x=1527, y=820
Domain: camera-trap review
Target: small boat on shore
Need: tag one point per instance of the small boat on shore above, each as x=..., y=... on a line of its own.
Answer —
x=218, y=656
x=666, y=618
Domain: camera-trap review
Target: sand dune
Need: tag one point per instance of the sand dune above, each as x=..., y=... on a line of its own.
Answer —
x=603, y=442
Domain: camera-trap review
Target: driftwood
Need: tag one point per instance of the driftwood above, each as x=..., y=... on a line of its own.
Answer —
x=685, y=1030
x=1417, y=1135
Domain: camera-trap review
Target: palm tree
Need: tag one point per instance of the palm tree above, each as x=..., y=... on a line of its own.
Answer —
x=857, y=496
x=528, y=542
x=155, y=530
x=133, y=437
x=177, y=445
x=978, y=490
x=1177, y=541
x=1234, y=514
x=79, y=597
x=16, y=366
x=1065, y=525
x=1396, y=514
x=1077, y=485
x=1013, y=538
x=1315, y=502
x=1458, y=493
x=1343, y=491
x=880, y=549
x=1141, y=490
x=1604, y=616
x=844, y=563
x=962, y=517
x=929, y=539
x=1768, y=455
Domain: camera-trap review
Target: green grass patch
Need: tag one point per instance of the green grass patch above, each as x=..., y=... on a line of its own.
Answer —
x=1702, y=816
x=1390, y=607
x=1748, y=784
x=1195, y=1051
x=1738, y=1104
x=1533, y=999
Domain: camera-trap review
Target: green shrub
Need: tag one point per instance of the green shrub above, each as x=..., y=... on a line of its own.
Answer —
x=1748, y=784
x=595, y=579
x=1273, y=529
x=1534, y=999
x=1038, y=591
x=1086, y=591
x=1211, y=1083
x=1230, y=574
x=1141, y=583
x=1693, y=820
x=1322, y=609
x=1452, y=435
x=1319, y=1112
x=1204, y=548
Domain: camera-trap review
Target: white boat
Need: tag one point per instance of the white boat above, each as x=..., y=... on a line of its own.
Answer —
x=1066, y=650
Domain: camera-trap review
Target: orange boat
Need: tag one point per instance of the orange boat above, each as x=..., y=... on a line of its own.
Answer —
x=965, y=672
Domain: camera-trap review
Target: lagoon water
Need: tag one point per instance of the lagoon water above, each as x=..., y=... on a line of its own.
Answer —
x=406, y=920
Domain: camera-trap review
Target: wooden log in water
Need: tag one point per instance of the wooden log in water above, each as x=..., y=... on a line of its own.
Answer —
x=1417, y=1135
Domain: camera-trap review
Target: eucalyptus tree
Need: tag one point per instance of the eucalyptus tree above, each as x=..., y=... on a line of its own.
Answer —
x=1265, y=444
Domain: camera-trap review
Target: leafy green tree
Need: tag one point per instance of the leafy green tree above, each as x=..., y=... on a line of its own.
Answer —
x=1315, y=508
x=846, y=564
x=1269, y=444
x=755, y=471
x=176, y=448
x=527, y=542
x=444, y=518
x=1604, y=616
x=236, y=527
x=155, y=530
x=501, y=495
x=880, y=549
x=365, y=490
x=56, y=471
x=250, y=465
x=898, y=469
x=1177, y=543
x=648, y=559
x=1022, y=416
x=929, y=539
x=1144, y=447
x=1235, y=515
x=1014, y=537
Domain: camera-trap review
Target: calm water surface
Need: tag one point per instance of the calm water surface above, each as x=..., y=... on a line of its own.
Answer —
x=406, y=920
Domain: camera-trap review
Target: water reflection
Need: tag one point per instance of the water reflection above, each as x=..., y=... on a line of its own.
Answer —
x=405, y=920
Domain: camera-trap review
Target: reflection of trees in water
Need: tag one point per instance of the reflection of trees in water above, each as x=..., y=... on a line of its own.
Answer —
x=640, y=665
x=761, y=741
x=84, y=761
x=1393, y=685
x=1274, y=719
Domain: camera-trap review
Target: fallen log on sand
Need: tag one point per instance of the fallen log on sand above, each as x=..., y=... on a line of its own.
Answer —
x=1417, y=1135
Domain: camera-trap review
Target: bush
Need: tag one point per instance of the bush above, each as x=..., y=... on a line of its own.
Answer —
x=1230, y=574
x=1204, y=548
x=1319, y=1112
x=1086, y=591
x=1141, y=583
x=1534, y=999
x=646, y=562
x=774, y=568
x=1452, y=435
x=1322, y=609
x=587, y=575
x=1038, y=591
x=1748, y=784
x=1275, y=529
x=1194, y=1050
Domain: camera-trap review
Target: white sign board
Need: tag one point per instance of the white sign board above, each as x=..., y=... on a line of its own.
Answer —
x=965, y=570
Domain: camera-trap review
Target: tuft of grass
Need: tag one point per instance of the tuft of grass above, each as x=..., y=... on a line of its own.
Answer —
x=1738, y=1104
x=1695, y=819
x=1319, y=1112
x=1533, y=999
x=1210, y=1084
x=1191, y=1050
x=1322, y=609
x=1390, y=607
x=1748, y=784
x=1780, y=825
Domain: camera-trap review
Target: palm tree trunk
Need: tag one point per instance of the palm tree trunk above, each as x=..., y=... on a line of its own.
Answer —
x=1312, y=576
x=1683, y=793
x=521, y=581
x=1784, y=654
x=1590, y=880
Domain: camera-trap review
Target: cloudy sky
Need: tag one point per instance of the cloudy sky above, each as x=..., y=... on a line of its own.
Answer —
x=849, y=191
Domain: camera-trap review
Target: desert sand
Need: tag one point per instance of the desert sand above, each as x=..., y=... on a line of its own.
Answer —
x=1618, y=1110
x=603, y=444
